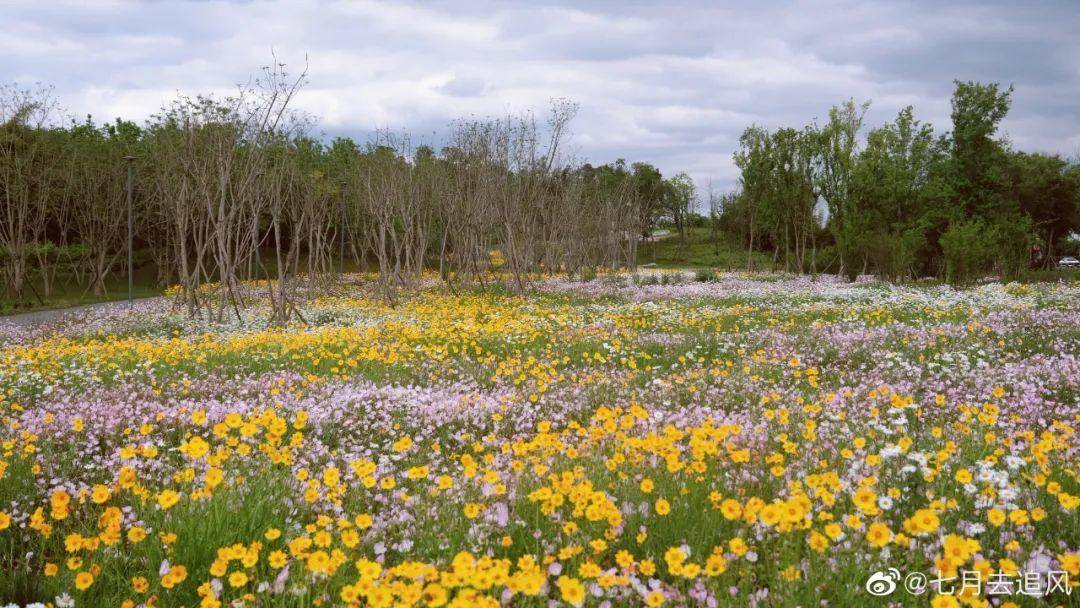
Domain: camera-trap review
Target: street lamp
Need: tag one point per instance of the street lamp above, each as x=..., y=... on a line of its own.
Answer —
x=130, y=220
x=341, y=244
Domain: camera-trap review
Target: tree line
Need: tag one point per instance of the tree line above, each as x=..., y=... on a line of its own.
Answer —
x=229, y=190
x=234, y=189
x=901, y=201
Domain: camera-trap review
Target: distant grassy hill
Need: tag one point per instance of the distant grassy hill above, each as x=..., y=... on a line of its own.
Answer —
x=700, y=251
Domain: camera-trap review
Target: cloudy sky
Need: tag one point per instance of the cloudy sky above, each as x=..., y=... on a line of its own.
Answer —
x=673, y=83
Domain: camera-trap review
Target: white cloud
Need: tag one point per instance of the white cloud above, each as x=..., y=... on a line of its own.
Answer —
x=670, y=83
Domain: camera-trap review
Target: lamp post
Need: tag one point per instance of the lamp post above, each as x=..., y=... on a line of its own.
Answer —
x=341, y=245
x=130, y=221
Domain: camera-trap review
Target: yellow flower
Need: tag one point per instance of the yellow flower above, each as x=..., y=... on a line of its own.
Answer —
x=166, y=499
x=83, y=580
x=647, y=485
x=1019, y=517
x=195, y=448
x=738, y=546
x=879, y=534
x=995, y=516
x=176, y=575
x=731, y=509
x=818, y=542
x=674, y=557
x=834, y=530
x=770, y=514
x=716, y=564
x=434, y=595
x=662, y=507
x=277, y=559
x=100, y=494
x=866, y=500
x=5, y=520
x=655, y=598
x=571, y=590
x=925, y=521
x=1070, y=562
x=370, y=570
x=238, y=579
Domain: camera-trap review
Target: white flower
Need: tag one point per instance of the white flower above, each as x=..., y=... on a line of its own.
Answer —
x=891, y=451
x=885, y=503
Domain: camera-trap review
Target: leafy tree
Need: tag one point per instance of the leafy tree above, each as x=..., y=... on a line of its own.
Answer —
x=835, y=162
x=1047, y=189
x=979, y=160
x=897, y=190
x=755, y=161
x=679, y=201
x=650, y=188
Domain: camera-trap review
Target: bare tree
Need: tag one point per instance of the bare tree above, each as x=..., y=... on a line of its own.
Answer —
x=28, y=174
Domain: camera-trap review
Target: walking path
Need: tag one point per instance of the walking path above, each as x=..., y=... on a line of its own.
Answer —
x=37, y=317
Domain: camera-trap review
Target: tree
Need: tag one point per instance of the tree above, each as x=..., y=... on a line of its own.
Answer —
x=755, y=161
x=1047, y=190
x=98, y=182
x=649, y=185
x=680, y=200
x=979, y=160
x=29, y=163
x=898, y=187
x=835, y=160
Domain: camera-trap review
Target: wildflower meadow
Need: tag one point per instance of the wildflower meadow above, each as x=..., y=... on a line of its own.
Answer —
x=749, y=440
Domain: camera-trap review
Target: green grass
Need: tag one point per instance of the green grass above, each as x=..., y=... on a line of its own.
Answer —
x=66, y=294
x=1056, y=274
x=701, y=251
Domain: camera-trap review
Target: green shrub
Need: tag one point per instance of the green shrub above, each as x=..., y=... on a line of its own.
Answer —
x=974, y=248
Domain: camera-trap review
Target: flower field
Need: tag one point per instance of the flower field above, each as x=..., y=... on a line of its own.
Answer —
x=756, y=441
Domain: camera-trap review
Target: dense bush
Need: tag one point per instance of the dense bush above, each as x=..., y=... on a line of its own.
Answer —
x=975, y=248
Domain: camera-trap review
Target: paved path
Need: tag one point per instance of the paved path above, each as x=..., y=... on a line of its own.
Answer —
x=36, y=317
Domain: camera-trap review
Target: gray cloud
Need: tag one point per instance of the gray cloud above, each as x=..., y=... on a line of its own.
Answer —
x=673, y=83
